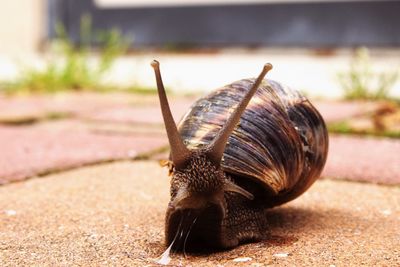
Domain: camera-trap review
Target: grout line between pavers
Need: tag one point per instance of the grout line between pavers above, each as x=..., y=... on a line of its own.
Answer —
x=51, y=171
x=32, y=120
x=151, y=153
x=147, y=156
x=349, y=180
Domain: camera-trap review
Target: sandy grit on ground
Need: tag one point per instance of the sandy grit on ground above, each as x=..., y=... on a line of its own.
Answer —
x=113, y=214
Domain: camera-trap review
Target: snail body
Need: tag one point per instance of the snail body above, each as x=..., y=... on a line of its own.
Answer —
x=246, y=147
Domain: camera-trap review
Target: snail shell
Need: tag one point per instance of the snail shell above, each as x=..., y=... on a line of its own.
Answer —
x=281, y=141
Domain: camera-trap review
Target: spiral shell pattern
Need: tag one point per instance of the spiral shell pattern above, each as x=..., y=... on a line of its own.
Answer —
x=281, y=141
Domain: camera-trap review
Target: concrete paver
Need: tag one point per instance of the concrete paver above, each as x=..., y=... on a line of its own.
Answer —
x=113, y=215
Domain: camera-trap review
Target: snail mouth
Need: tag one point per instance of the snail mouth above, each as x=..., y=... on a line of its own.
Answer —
x=194, y=229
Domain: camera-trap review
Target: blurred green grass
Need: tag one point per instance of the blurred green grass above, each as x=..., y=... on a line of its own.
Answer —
x=362, y=82
x=72, y=67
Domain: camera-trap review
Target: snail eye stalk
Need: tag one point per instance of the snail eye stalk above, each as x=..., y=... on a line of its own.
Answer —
x=179, y=152
x=217, y=146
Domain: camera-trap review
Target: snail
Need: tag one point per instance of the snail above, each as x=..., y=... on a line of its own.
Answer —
x=246, y=147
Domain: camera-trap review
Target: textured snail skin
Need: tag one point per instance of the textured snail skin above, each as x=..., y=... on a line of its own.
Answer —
x=276, y=153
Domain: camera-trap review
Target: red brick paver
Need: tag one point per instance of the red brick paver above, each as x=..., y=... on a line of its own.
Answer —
x=336, y=111
x=36, y=107
x=364, y=159
x=150, y=114
x=125, y=108
x=31, y=151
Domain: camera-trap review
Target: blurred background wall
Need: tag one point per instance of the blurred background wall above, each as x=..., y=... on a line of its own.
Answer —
x=23, y=26
x=26, y=24
x=222, y=23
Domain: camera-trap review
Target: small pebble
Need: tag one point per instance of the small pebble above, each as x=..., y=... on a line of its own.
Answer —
x=281, y=255
x=242, y=259
x=386, y=212
x=357, y=232
x=92, y=238
x=132, y=153
x=145, y=196
x=10, y=212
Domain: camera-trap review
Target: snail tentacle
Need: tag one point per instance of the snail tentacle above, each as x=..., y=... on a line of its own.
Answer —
x=179, y=152
x=217, y=146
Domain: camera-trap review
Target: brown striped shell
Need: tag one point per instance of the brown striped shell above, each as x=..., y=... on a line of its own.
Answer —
x=281, y=140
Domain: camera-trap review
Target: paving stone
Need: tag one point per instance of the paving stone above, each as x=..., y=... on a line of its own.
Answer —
x=114, y=215
x=150, y=114
x=28, y=108
x=122, y=107
x=58, y=146
x=113, y=117
x=101, y=127
x=31, y=151
x=364, y=159
x=333, y=111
